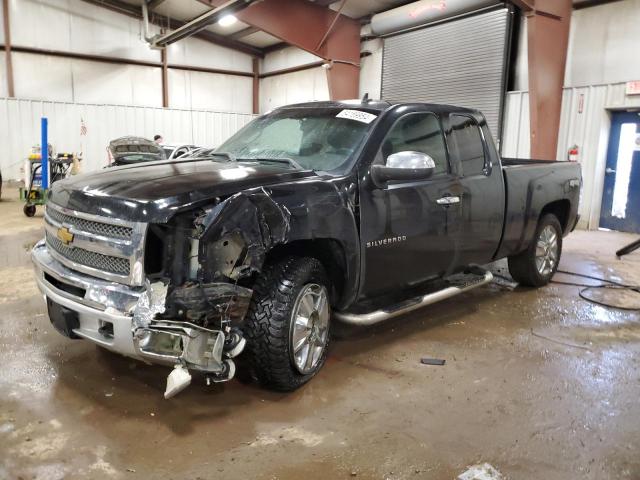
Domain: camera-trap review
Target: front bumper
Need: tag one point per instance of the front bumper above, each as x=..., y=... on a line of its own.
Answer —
x=104, y=308
x=108, y=314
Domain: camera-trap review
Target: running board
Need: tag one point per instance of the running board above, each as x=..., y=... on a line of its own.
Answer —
x=463, y=283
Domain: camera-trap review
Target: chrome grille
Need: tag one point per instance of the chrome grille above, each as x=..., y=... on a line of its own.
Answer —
x=95, y=260
x=104, y=247
x=104, y=229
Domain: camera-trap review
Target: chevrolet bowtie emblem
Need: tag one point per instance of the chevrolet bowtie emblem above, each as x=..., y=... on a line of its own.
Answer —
x=64, y=235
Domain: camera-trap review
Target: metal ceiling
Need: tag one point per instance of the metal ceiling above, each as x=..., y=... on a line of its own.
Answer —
x=186, y=10
x=240, y=36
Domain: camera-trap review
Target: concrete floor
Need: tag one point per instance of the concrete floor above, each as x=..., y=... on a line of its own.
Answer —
x=538, y=383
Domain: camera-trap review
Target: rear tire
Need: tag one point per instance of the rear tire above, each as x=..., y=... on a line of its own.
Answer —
x=290, y=304
x=537, y=264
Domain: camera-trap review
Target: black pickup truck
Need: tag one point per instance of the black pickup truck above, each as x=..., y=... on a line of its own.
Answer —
x=357, y=211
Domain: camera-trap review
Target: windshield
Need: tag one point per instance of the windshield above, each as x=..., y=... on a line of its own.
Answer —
x=321, y=139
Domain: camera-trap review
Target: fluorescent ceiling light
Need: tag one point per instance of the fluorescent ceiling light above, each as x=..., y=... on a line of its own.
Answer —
x=227, y=20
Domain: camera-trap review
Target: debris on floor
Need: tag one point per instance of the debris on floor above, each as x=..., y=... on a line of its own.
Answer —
x=432, y=361
x=481, y=472
x=559, y=342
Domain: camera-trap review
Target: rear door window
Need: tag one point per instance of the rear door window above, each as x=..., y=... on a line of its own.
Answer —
x=465, y=143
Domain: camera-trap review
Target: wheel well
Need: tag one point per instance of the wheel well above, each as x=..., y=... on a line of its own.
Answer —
x=328, y=251
x=560, y=209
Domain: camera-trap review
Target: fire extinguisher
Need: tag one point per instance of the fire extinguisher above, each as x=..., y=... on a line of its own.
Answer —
x=573, y=153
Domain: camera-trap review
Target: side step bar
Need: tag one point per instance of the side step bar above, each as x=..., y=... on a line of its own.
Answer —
x=414, y=304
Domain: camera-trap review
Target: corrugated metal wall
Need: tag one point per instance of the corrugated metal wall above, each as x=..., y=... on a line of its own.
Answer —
x=585, y=122
x=516, y=128
x=459, y=62
x=20, y=129
x=294, y=87
x=79, y=27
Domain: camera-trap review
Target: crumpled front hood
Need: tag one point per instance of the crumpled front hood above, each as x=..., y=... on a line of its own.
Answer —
x=155, y=191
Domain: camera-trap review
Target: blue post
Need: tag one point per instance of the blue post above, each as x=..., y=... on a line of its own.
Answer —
x=44, y=153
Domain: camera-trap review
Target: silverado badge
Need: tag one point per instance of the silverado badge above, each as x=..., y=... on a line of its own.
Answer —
x=64, y=235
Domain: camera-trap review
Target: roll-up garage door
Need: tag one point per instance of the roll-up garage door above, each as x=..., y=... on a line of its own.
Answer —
x=460, y=62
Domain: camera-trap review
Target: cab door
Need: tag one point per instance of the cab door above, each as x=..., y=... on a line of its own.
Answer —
x=477, y=218
x=404, y=225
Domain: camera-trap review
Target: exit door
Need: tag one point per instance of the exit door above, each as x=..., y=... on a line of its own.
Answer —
x=621, y=198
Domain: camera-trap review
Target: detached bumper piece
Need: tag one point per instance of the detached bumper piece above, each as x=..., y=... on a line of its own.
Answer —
x=188, y=346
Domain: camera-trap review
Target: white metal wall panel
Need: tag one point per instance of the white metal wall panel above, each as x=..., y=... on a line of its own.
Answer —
x=76, y=26
x=199, y=53
x=286, y=58
x=20, y=128
x=29, y=82
x=460, y=62
x=603, y=44
x=83, y=81
x=179, y=88
x=516, y=127
x=302, y=86
x=79, y=27
x=585, y=121
x=3, y=76
x=96, y=82
x=210, y=91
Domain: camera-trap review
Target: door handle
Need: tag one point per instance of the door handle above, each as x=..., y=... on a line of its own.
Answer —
x=448, y=200
x=609, y=170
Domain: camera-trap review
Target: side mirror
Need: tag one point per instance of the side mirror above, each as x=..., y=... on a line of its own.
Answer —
x=403, y=166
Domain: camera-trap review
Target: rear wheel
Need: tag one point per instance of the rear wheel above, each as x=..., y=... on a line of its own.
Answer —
x=537, y=264
x=287, y=326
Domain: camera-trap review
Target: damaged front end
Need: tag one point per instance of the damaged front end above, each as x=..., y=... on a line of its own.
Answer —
x=191, y=312
x=181, y=288
x=187, y=345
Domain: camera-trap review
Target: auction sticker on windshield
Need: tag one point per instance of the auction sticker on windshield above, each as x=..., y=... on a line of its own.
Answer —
x=357, y=115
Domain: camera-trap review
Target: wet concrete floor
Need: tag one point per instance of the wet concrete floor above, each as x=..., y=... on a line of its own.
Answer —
x=538, y=383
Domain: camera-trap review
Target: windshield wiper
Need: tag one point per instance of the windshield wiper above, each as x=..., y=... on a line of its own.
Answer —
x=228, y=156
x=288, y=161
x=209, y=152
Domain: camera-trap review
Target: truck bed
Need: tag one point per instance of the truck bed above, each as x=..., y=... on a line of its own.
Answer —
x=529, y=186
x=510, y=161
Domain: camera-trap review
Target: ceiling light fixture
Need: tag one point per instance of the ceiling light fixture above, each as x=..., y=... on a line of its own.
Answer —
x=227, y=20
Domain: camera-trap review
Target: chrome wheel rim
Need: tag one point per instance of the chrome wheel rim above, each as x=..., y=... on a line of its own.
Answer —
x=309, y=327
x=547, y=251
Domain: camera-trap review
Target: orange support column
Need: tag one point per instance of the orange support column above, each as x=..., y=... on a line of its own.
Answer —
x=548, y=38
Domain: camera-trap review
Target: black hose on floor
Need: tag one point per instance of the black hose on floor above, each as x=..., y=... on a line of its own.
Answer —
x=609, y=284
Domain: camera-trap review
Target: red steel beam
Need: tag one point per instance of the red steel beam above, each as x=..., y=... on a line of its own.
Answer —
x=548, y=38
x=305, y=25
x=124, y=61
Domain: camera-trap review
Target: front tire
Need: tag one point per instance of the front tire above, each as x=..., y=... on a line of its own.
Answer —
x=538, y=264
x=287, y=325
